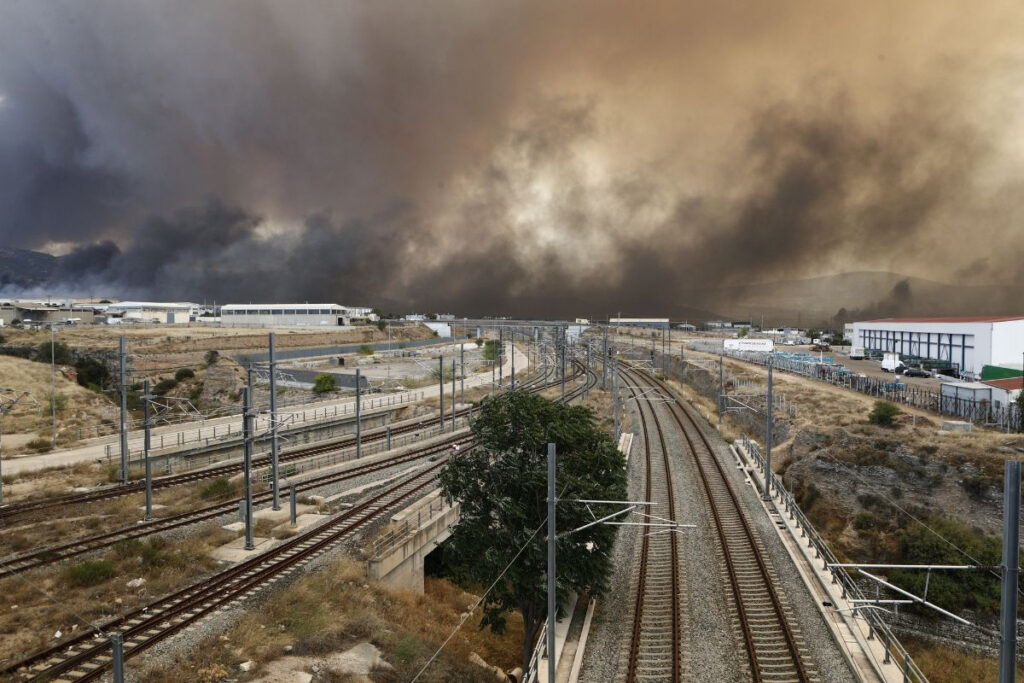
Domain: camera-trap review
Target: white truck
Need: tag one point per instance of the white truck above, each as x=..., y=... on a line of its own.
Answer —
x=891, y=363
x=856, y=353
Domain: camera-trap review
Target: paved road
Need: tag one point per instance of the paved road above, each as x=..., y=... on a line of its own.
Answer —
x=189, y=433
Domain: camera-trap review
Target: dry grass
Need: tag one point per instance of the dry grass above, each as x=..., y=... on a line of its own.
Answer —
x=82, y=407
x=944, y=664
x=336, y=608
x=28, y=618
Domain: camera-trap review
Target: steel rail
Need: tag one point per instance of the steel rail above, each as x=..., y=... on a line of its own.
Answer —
x=747, y=544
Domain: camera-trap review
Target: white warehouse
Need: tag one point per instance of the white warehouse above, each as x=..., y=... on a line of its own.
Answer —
x=152, y=311
x=285, y=315
x=967, y=344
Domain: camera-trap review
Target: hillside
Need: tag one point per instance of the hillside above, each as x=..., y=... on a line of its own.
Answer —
x=25, y=268
x=865, y=294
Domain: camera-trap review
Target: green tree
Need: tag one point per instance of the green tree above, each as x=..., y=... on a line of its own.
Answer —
x=491, y=349
x=324, y=383
x=884, y=413
x=382, y=324
x=742, y=333
x=501, y=486
x=61, y=353
x=211, y=357
x=365, y=350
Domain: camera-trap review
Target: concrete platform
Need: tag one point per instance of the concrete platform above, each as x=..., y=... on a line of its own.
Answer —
x=234, y=551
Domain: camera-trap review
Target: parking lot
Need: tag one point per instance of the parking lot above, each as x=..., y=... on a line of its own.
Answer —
x=871, y=368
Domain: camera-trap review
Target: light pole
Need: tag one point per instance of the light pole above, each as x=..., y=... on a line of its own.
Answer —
x=53, y=386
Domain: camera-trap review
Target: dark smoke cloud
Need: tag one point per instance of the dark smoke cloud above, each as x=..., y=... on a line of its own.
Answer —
x=526, y=158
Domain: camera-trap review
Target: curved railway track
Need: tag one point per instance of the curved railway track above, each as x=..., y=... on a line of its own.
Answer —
x=774, y=647
x=45, y=556
x=138, y=486
x=656, y=646
x=87, y=656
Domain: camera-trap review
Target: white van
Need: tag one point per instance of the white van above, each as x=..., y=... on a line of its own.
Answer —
x=891, y=363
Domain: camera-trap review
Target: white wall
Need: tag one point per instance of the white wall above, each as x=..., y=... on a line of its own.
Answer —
x=1007, y=342
x=979, y=336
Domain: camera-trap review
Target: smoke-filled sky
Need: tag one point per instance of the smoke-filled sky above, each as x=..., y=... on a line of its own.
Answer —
x=527, y=158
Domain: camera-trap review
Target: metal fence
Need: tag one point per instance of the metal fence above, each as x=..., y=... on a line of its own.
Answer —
x=1004, y=417
x=877, y=628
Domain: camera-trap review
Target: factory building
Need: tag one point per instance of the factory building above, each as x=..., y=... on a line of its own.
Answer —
x=44, y=313
x=289, y=315
x=659, y=323
x=963, y=345
x=160, y=312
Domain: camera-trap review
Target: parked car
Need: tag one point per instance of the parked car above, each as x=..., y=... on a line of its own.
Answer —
x=916, y=372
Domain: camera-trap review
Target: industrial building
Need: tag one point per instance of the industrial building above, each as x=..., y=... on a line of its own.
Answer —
x=290, y=315
x=44, y=313
x=963, y=345
x=659, y=323
x=160, y=312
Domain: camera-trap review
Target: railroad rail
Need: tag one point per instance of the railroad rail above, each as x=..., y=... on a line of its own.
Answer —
x=86, y=656
x=774, y=646
x=56, y=553
x=138, y=486
x=656, y=646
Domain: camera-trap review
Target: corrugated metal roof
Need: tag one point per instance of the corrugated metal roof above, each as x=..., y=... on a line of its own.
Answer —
x=968, y=319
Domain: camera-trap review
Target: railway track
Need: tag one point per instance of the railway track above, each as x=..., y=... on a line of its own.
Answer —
x=86, y=657
x=51, y=554
x=774, y=647
x=57, y=553
x=656, y=646
x=15, y=510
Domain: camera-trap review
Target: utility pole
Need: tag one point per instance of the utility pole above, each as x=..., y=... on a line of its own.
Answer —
x=462, y=373
x=53, y=386
x=147, y=425
x=359, y=421
x=247, y=458
x=562, y=347
x=768, y=436
x=552, y=549
x=454, y=394
x=1011, y=572
x=501, y=356
x=273, y=425
x=586, y=381
x=615, y=392
x=604, y=361
x=440, y=389
x=721, y=387
x=124, y=412
x=512, y=334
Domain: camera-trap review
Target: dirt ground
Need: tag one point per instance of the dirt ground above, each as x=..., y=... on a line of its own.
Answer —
x=30, y=418
x=189, y=338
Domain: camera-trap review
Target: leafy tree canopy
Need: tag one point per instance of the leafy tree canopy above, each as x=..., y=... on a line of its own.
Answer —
x=501, y=486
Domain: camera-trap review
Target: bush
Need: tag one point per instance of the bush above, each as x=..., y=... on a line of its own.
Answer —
x=184, y=374
x=90, y=573
x=196, y=392
x=884, y=413
x=211, y=357
x=218, y=488
x=381, y=325
x=40, y=445
x=164, y=385
x=324, y=383
x=91, y=372
x=365, y=350
x=61, y=353
x=60, y=403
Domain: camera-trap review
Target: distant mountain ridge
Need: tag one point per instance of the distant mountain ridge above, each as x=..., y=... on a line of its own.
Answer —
x=859, y=295
x=25, y=268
